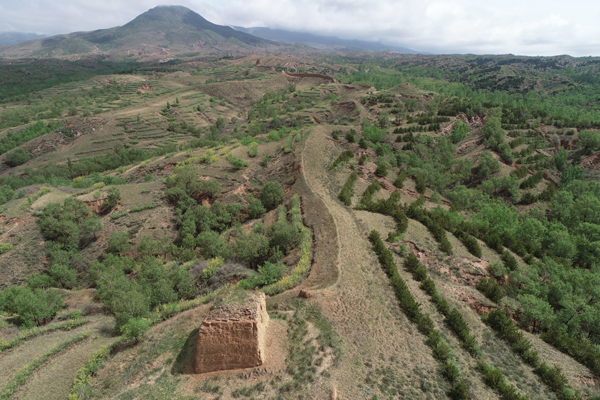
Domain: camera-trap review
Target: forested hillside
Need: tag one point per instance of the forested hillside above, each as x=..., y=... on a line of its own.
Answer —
x=441, y=215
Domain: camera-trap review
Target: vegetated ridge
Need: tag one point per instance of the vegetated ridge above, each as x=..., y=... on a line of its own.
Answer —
x=439, y=215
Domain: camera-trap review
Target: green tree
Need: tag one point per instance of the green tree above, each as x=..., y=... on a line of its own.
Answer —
x=271, y=195
x=589, y=141
x=411, y=105
x=381, y=170
x=63, y=276
x=570, y=174
x=255, y=207
x=220, y=123
x=129, y=303
x=253, y=149
x=37, y=306
x=536, y=312
x=487, y=166
x=372, y=132
x=252, y=249
x=560, y=159
x=493, y=132
x=459, y=132
x=420, y=184
x=118, y=243
x=212, y=245
x=282, y=235
x=135, y=328
x=114, y=195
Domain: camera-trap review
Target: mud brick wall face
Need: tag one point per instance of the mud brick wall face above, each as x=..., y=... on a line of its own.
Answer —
x=232, y=342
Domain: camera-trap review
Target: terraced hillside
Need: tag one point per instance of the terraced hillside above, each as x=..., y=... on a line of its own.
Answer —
x=444, y=240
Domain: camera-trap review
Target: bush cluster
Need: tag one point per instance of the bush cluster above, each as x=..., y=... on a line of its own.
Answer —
x=342, y=158
x=532, y=181
x=551, y=376
x=236, y=162
x=301, y=269
x=346, y=193
x=388, y=207
x=454, y=319
x=494, y=378
x=33, y=306
x=411, y=309
x=399, y=181
x=470, y=243
x=490, y=289
x=583, y=352
x=432, y=222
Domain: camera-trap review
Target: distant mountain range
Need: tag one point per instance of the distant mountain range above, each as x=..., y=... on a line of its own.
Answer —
x=17, y=37
x=167, y=32
x=323, y=42
x=162, y=32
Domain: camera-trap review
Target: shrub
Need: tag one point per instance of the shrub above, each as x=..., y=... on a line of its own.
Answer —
x=271, y=195
x=212, y=266
x=118, y=243
x=342, y=158
x=16, y=158
x=471, y=244
x=399, y=181
x=459, y=391
x=497, y=270
x=346, y=193
x=37, y=306
x=237, y=162
x=114, y=195
x=585, y=352
x=532, y=181
x=509, y=261
x=420, y=184
x=490, y=289
x=5, y=247
x=351, y=136
x=451, y=371
x=381, y=171
x=528, y=198
x=255, y=207
x=253, y=149
x=135, y=328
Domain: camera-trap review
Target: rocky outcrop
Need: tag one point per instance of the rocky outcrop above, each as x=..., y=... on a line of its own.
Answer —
x=232, y=336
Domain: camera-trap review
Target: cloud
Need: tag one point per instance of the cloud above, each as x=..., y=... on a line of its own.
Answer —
x=531, y=27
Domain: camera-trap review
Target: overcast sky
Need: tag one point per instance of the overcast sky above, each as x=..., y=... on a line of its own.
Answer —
x=527, y=27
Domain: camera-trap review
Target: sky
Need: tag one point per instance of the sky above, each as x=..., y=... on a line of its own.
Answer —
x=522, y=27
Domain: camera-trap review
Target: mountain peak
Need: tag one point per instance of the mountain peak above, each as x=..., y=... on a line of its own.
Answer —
x=169, y=15
x=176, y=29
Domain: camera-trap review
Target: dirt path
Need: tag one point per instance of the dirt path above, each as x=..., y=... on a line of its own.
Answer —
x=362, y=307
x=55, y=379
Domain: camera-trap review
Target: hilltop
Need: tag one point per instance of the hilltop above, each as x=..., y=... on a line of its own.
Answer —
x=163, y=32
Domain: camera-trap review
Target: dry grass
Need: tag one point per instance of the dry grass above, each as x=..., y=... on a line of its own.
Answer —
x=12, y=359
x=55, y=379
